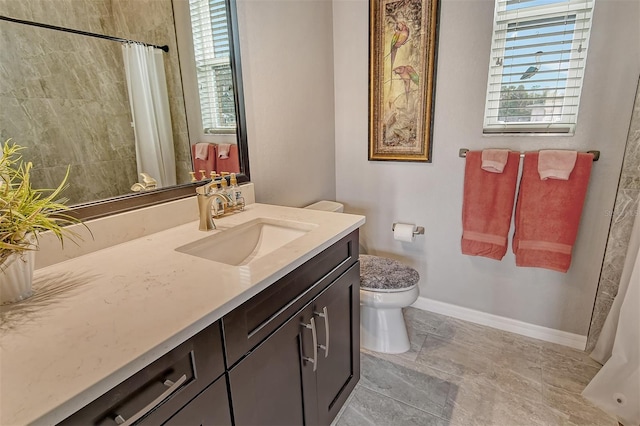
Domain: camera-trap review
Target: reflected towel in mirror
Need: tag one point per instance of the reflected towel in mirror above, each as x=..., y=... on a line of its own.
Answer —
x=223, y=150
x=202, y=151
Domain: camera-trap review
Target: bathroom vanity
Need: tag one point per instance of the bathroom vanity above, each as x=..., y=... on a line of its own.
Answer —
x=176, y=338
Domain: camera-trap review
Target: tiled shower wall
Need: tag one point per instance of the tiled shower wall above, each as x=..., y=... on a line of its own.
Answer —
x=64, y=96
x=623, y=216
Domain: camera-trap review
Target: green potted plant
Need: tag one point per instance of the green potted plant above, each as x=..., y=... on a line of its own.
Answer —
x=24, y=213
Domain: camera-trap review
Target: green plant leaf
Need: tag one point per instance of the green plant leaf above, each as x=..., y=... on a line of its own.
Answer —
x=26, y=211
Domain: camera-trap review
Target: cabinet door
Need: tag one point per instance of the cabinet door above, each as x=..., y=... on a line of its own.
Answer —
x=211, y=407
x=337, y=314
x=253, y=321
x=274, y=384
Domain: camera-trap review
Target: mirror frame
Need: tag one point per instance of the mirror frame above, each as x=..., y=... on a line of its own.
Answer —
x=128, y=202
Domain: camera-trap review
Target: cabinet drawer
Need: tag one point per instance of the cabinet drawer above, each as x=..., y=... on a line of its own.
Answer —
x=256, y=319
x=155, y=393
x=211, y=407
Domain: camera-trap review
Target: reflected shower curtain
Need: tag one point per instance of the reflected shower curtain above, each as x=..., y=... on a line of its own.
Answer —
x=149, y=102
x=616, y=387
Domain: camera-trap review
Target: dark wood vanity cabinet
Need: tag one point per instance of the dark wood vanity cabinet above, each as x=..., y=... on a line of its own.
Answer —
x=303, y=372
x=287, y=356
x=175, y=384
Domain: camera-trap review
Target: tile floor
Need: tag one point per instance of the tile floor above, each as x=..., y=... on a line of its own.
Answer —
x=460, y=373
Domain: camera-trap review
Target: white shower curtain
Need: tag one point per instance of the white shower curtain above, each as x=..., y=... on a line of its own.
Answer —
x=616, y=387
x=149, y=101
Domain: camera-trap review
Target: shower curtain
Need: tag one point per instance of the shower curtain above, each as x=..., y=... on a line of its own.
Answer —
x=149, y=102
x=616, y=387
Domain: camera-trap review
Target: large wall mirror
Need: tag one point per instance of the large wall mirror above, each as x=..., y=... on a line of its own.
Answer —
x=75, y=99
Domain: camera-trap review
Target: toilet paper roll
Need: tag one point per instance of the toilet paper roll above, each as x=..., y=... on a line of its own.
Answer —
x=404, y=232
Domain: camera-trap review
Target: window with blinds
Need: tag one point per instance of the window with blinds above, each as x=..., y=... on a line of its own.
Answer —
x=213, y=65
x=538, y=55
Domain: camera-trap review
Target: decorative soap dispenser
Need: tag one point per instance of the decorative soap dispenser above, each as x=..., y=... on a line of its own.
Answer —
x=235, y=192
x=225, y=190
x=217, y=206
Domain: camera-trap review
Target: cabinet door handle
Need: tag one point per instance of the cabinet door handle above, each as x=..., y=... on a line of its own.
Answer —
x=173, y=386
x=314, y=335
x=325, y=314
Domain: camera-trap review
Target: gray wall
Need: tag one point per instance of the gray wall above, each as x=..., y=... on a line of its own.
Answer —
x=287, y=64
x=64, y=96
x=431, y=194
x=622, y=218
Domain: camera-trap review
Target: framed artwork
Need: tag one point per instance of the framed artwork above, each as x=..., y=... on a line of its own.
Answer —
x=402, y=71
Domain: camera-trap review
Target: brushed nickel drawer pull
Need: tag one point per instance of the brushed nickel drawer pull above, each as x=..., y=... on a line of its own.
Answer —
x=153, y=404
x=325, y=314
x=314, y=334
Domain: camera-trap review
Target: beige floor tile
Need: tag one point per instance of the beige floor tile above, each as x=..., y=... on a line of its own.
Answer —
x=494, y=378
x=553, y=352
x=567, y=375
x=423, y=321
x=478, y=403
x=371, y=408
x=420, y=388
x=578, y=410
x=520, y=365
x=454, y=358
x=512, y=382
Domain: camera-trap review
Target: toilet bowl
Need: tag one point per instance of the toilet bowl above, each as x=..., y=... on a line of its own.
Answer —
x=386, y=286
x=382, y=326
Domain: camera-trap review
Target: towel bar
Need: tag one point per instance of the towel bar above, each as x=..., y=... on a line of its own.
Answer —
x=463, y=153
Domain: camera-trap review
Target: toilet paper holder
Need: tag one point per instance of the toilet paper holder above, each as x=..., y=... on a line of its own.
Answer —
x=418, y=231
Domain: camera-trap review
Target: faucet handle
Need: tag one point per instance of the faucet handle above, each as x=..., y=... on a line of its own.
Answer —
x=206, y=188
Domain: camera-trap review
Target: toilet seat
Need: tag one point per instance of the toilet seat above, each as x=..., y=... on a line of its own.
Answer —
x=382, y=273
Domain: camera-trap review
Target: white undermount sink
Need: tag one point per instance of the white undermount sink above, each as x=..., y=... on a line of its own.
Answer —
x=245, y=243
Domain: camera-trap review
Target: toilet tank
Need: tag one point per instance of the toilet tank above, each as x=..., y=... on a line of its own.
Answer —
x=328, y=206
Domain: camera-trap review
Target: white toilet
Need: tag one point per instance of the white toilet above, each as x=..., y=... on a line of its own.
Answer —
x=386, y=286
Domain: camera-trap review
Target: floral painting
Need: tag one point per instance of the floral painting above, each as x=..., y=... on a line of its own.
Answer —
x=401, y=79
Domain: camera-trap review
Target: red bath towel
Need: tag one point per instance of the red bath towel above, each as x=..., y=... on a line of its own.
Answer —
x=487, y=206
x=548, y=214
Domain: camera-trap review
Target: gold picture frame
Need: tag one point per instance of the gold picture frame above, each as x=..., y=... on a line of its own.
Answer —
x=402, y=63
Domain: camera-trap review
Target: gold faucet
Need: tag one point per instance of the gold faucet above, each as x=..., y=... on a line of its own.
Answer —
x=205, y=198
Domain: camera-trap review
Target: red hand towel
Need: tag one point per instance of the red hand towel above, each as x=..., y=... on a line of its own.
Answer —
x=487, y=206
x=494, y=160
x=230, y=164
x=207, y=165
x=548, y=214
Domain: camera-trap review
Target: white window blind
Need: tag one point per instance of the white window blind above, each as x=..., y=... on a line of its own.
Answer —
x=538, y=55
x=213, y=66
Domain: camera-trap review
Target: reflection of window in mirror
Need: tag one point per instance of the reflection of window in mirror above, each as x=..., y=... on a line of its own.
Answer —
x=205, y=45
x=213, y=65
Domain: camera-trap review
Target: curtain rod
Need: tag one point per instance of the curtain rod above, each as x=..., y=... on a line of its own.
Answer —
x=85, y=33
x=463, y=153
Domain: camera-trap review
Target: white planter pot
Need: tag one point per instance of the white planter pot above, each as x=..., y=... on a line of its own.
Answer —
x=16, y=275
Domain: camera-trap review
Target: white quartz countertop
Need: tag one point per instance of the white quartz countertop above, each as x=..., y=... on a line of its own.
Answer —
x=99, y=318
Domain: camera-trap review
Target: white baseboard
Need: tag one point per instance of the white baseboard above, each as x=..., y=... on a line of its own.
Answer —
x=502, y=323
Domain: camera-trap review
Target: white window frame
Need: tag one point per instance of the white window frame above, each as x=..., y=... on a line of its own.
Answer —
x=502, y=18
x=190, y=81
